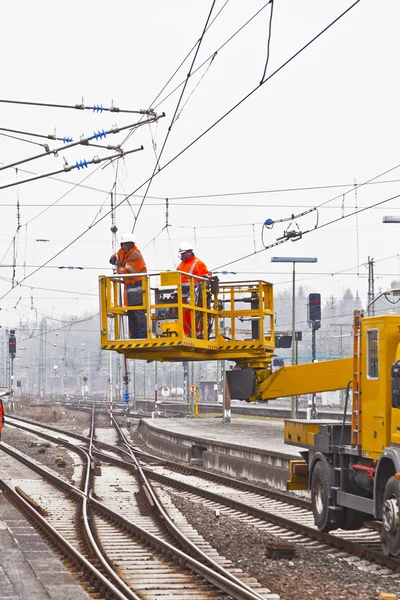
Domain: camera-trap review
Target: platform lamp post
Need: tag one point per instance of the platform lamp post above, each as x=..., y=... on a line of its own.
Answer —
x=294, y=260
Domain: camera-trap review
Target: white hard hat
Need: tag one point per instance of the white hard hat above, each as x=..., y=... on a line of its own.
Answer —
x=185, y=247
x=127, y=237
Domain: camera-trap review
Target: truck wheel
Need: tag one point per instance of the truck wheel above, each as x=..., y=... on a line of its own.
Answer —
x=390, y=535
x=325, y=519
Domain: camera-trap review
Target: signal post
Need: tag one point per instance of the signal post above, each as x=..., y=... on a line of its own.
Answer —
x=12, y=349
x=314, y=320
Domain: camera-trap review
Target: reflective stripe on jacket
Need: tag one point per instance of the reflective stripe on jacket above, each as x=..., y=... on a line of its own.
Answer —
x=193, y=266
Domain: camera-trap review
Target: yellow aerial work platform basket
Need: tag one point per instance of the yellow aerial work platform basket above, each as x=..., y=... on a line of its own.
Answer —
x=210, y=321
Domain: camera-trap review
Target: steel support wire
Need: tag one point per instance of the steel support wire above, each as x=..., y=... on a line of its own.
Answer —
x=96, y=108
x=197, y=139
x=176, y=532
x=98, y=135
x=174, y=116
x=78, y=165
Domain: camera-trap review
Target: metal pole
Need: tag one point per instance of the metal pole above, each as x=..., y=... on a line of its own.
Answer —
x=110, y=377
x=144, y=380
x=12, y=380
x=134, y=386
x=313, y=356
x=294, y=399
x=155, y=388
x=226, y=397
x=192, y=398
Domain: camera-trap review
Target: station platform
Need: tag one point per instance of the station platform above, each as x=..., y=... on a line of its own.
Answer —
x=28, y=568
x=248, y=448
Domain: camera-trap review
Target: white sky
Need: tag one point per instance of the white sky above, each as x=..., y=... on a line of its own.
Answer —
x=329, y=118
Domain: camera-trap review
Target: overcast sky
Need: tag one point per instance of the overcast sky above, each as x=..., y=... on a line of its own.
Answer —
x=329, y=118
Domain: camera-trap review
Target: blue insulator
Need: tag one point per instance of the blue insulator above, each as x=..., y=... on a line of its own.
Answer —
x=224, y=272
x=268, y=222
x=126, y=396
x=81, y=164
x=98, y=135
x=70, y=268
x=96, y=108
x=67, y=140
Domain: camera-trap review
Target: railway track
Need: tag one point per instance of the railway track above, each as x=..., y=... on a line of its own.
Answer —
x=132, y=537
x=286, y=517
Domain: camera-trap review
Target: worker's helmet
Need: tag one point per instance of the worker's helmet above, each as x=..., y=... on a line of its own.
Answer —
x=127, y=237
x=185, y=247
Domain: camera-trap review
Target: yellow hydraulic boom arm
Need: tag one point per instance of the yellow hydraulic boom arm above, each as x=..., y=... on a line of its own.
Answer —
x=306, y=379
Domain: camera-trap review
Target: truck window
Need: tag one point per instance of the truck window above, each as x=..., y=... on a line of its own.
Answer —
x=372, y=354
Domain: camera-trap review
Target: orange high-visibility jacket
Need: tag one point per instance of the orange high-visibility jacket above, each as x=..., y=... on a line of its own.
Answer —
x=194, y=266
x=131, y=262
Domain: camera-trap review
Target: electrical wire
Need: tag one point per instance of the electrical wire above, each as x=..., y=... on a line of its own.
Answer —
x=215, y=52
x=268, y=41
x=82, y=141
x=205, y=132
x=96, y=108
x=179, y=67
x=328, y=223
x=173, y=120
x=78, y=165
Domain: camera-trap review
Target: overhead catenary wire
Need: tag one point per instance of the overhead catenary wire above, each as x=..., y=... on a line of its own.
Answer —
x=84, y=141
x=241, y=28
x=178, y=68
x=268, y=41
x=19, y=139
x=207, y=130
x=82, y=164
x=173, y=120
x=328, y=223
x=96, y=108
x=64, y=139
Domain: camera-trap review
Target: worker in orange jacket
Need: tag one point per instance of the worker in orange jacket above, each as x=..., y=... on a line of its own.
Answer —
x=128, y=260
x=194, y=266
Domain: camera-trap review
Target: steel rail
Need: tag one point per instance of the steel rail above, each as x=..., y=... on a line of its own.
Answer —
x=224, y=479
x=173, y=529
x=90, y=538
x=342, y=544
x=235, y=589
x=349, y=546
x=61, y=542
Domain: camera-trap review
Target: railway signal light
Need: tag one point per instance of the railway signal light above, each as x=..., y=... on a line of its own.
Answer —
x=314, y=310
x=12, y=343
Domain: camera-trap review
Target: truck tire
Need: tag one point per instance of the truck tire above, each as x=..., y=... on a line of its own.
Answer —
x=390, y=536
x=325, y=519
